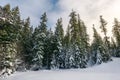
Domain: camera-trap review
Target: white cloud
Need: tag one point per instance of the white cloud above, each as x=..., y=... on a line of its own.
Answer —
x=90, y=10
x=32, y=8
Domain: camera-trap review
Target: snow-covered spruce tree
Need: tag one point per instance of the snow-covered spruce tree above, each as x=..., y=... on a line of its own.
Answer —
x=50, y=48
x=58, y=52
x=8, y=58
x=83, y=39
x=26, y=42
x=96, y=48
x=113, y=47
x=39, y=43
x=74, y=38
x=38, y=50
x=8, y=37
x=55, y=56
x=73, y=26
x=116, y=33
x=48, y=43
x=79, y=58
x=107, y=54
x=66, y=48
x=78, y=39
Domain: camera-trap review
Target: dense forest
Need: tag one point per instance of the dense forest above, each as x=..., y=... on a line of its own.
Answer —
x=24, y=47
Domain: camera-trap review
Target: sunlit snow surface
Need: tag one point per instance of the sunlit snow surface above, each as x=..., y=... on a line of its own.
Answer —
x=105, y=71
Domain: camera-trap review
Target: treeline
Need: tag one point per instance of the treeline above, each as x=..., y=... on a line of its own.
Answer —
x=22, y=47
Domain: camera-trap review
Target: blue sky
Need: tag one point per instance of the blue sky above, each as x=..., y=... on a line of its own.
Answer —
x=89, y=11
x=33, y=8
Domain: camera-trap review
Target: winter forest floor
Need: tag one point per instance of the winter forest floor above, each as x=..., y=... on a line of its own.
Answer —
x=105, y=71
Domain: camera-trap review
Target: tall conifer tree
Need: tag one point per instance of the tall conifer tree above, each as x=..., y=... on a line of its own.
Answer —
x=107, y=55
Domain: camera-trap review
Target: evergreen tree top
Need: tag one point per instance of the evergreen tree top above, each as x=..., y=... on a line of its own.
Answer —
x=43, y=23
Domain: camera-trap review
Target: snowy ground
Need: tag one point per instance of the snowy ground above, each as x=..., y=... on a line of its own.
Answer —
x=105, y=71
